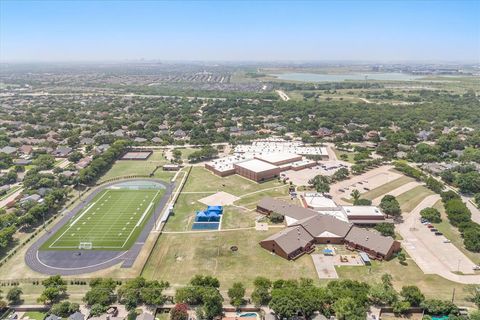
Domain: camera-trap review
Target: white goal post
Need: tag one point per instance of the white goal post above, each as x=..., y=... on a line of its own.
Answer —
x=85, y=245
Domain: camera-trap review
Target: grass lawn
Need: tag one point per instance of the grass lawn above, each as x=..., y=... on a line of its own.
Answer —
x=410, y=199
x=234, y=217
x=387, y=187
x=187, y=151
x=162, y=316
x=35, y=315
x=206, y=183
x=184, y=211
x=32, y=292
x=178, y=257
x=452, y=234
x=350, y=155
x=139, y=167
x=433, y=286
x=201, y=179
x=113, y=220
x=250, y=201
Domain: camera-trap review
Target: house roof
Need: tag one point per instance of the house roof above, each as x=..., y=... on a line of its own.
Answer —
x=368, y=239
x=291, y=238
x=321, y=225
x=77, y=316
x=285, y=209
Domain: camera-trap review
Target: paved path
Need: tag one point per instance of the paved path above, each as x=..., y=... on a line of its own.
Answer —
x=325, y=266
x=282, y=95
x=396, y=192
x=73, y=262
x=430, y=253
x=4, y=202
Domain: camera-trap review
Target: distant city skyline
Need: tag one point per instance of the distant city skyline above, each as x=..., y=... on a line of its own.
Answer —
x=360, y=31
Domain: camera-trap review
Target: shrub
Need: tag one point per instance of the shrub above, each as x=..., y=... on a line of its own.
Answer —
x=431, y=214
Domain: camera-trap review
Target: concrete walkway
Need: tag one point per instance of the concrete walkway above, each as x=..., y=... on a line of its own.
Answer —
x=430, y=253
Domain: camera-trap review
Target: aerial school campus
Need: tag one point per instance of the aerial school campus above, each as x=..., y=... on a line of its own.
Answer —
x=239, y=160
x=241, y=213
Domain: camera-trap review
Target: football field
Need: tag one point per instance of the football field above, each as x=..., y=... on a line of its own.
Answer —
x=111, y=221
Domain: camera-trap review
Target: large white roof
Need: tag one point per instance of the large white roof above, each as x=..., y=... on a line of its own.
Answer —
x=277, y=157
x=362, y=211
x=256, y=165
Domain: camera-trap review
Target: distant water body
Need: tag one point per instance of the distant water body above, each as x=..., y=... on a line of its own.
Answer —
x=317, y=77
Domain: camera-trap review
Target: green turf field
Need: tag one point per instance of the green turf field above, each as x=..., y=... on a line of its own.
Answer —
x=112, y=220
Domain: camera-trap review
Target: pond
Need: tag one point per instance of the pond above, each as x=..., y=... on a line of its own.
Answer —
x=318, y=77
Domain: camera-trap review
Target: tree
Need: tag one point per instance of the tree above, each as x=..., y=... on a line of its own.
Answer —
x=101, y=293
x=386, y=229
x=55, y=290
x=179, y=312
x=44, y=161
x=471, y=238
x=401, y=307
x=474, y=294
x=340, y=174
x=140, y=291
x=434, y=185
x=363, y=202
x=236, y=294
x=390, y=206
x=177, y=155
x=435, y=306
x=212, y=303
x=431, y=214
x=355, y=194
x=413, y=295
x=477, y=199
x=402, y=258
x=14, y=295
x=64, y=309
x=349, y=309
x=261, y=293
x=97, y=309
x=75, y=156
x=320, y=183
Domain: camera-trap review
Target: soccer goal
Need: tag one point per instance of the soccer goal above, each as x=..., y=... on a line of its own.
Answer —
x=85, y=245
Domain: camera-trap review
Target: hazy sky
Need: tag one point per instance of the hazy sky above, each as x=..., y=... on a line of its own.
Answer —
x=217, y=30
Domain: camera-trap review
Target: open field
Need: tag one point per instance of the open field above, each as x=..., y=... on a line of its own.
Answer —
x=34, y=315
x=140, y=167
x=172, y=256
x=202, y=180
x=187, y=151
x=386, y=188
x=350, y=155
x=452, y=234
x=112, y=221
x=238, y=218
x=202, y=183
x=410, y=199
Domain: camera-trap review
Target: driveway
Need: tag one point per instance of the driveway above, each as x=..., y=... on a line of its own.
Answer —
x=431, y=254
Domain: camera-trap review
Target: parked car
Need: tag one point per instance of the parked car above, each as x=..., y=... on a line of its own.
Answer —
x=476, y=267
x=438, y=233
x=430, y=226
x=368, y=189
x=447, y=241
x=433, y=230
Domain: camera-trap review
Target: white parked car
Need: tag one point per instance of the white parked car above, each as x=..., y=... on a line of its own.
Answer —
x=476, y=268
